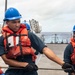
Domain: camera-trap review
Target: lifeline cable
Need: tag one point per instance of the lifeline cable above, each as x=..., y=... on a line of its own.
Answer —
x=38, y=68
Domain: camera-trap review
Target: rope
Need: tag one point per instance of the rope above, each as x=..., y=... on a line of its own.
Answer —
x=50, y=69
x=38, y=68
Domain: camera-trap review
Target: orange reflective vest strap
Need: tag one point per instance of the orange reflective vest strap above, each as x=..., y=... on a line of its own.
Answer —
x=6, y=32
x=34, y=56
x=19, y=42
x=73, y=53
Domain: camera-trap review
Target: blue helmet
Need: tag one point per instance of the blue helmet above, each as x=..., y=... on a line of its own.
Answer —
x=12, y=14
x=27, y=25
x=73, y=28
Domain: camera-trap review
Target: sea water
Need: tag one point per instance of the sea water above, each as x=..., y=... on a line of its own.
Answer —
x=57, y=37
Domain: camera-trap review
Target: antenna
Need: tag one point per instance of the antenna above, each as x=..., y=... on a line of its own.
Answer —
x=5, y=10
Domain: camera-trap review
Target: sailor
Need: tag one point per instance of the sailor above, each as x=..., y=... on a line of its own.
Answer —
x=16, y=43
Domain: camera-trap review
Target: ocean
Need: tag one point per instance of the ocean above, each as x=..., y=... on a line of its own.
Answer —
x=56, y=37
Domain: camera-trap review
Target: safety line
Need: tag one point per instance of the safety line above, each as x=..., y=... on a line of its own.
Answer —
x=38, y=68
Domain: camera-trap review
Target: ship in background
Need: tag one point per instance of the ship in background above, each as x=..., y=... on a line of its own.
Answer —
x=49, y=37
x=36, y=28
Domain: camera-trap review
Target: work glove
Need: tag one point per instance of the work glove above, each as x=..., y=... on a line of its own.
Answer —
x=31, y=67
x=68, y=67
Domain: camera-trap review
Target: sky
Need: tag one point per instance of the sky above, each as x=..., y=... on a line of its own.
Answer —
x=52, y=15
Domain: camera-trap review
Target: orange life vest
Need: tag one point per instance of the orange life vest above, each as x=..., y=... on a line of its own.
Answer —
x=18, y=43
x=73, y=53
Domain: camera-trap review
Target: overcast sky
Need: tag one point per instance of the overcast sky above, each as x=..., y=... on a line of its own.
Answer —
x=53, y=15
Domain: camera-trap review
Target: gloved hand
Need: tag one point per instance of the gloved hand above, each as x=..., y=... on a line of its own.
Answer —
x=31, y=67
x=68, y=67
